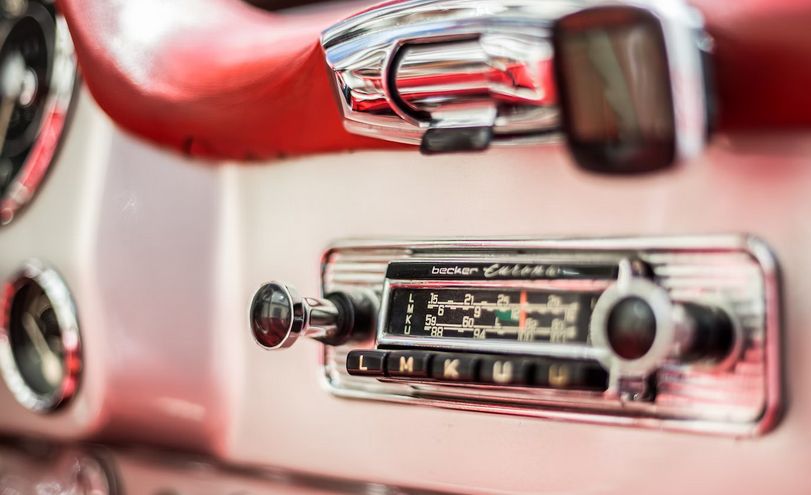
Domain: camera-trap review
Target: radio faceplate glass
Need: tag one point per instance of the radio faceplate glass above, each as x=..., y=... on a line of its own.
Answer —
x=493, y=314
x=673, y=333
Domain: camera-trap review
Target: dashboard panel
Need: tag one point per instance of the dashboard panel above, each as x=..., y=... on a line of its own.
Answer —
x=221, y=392
x=160, y=254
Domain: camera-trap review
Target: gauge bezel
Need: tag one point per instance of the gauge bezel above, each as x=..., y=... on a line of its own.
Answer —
x=57, y=111
x=52, y=285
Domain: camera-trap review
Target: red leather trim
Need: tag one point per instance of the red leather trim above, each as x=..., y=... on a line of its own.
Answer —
x=220, y=79
x=213, y=78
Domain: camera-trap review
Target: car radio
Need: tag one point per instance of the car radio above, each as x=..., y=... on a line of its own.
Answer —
x=673, y=333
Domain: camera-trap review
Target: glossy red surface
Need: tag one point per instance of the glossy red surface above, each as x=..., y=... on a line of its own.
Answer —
x=762, y=62
x=220, y=79
x=213, y=78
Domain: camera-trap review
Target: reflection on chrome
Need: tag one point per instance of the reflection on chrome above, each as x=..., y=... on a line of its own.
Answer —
x=447, y=65
x=462, y=75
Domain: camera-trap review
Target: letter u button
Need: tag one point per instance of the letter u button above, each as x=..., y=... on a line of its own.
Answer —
x=502, y=370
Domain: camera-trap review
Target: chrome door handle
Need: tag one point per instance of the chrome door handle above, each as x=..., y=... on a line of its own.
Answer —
x=412, y=69
x=460, y=75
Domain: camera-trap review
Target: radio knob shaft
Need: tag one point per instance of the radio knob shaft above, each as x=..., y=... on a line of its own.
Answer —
x=711, y=333
x=279, y=316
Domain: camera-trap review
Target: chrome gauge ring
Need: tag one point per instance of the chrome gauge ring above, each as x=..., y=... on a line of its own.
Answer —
x=40, y=343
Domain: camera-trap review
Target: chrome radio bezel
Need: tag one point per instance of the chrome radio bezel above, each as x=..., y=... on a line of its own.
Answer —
x=588, y=407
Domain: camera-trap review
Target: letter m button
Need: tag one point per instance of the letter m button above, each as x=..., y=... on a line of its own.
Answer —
x=408, y=364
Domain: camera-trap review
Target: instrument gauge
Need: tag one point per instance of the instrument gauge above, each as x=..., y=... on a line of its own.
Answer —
x=39, y=339
x=37, y=76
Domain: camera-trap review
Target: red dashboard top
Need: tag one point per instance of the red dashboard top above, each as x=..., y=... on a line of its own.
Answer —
x=221, y=79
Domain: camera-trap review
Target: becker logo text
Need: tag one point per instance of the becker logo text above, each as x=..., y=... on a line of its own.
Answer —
x=454, y=270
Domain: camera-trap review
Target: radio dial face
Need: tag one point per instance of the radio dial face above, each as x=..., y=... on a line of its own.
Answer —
x=472, y=313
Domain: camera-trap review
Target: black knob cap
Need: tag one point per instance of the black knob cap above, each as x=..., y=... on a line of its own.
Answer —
x=631, y=328
x=279, y=315
x=273, y=314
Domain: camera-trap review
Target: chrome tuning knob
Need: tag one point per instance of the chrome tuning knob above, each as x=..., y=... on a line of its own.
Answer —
x=642, y=329
x=279, y=316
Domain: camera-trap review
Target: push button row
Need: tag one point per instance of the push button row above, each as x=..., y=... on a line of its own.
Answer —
x=478, y=368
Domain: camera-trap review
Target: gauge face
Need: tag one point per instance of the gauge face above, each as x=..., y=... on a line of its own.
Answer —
x=25, y=62
x=30, y=40
x=36, y=340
